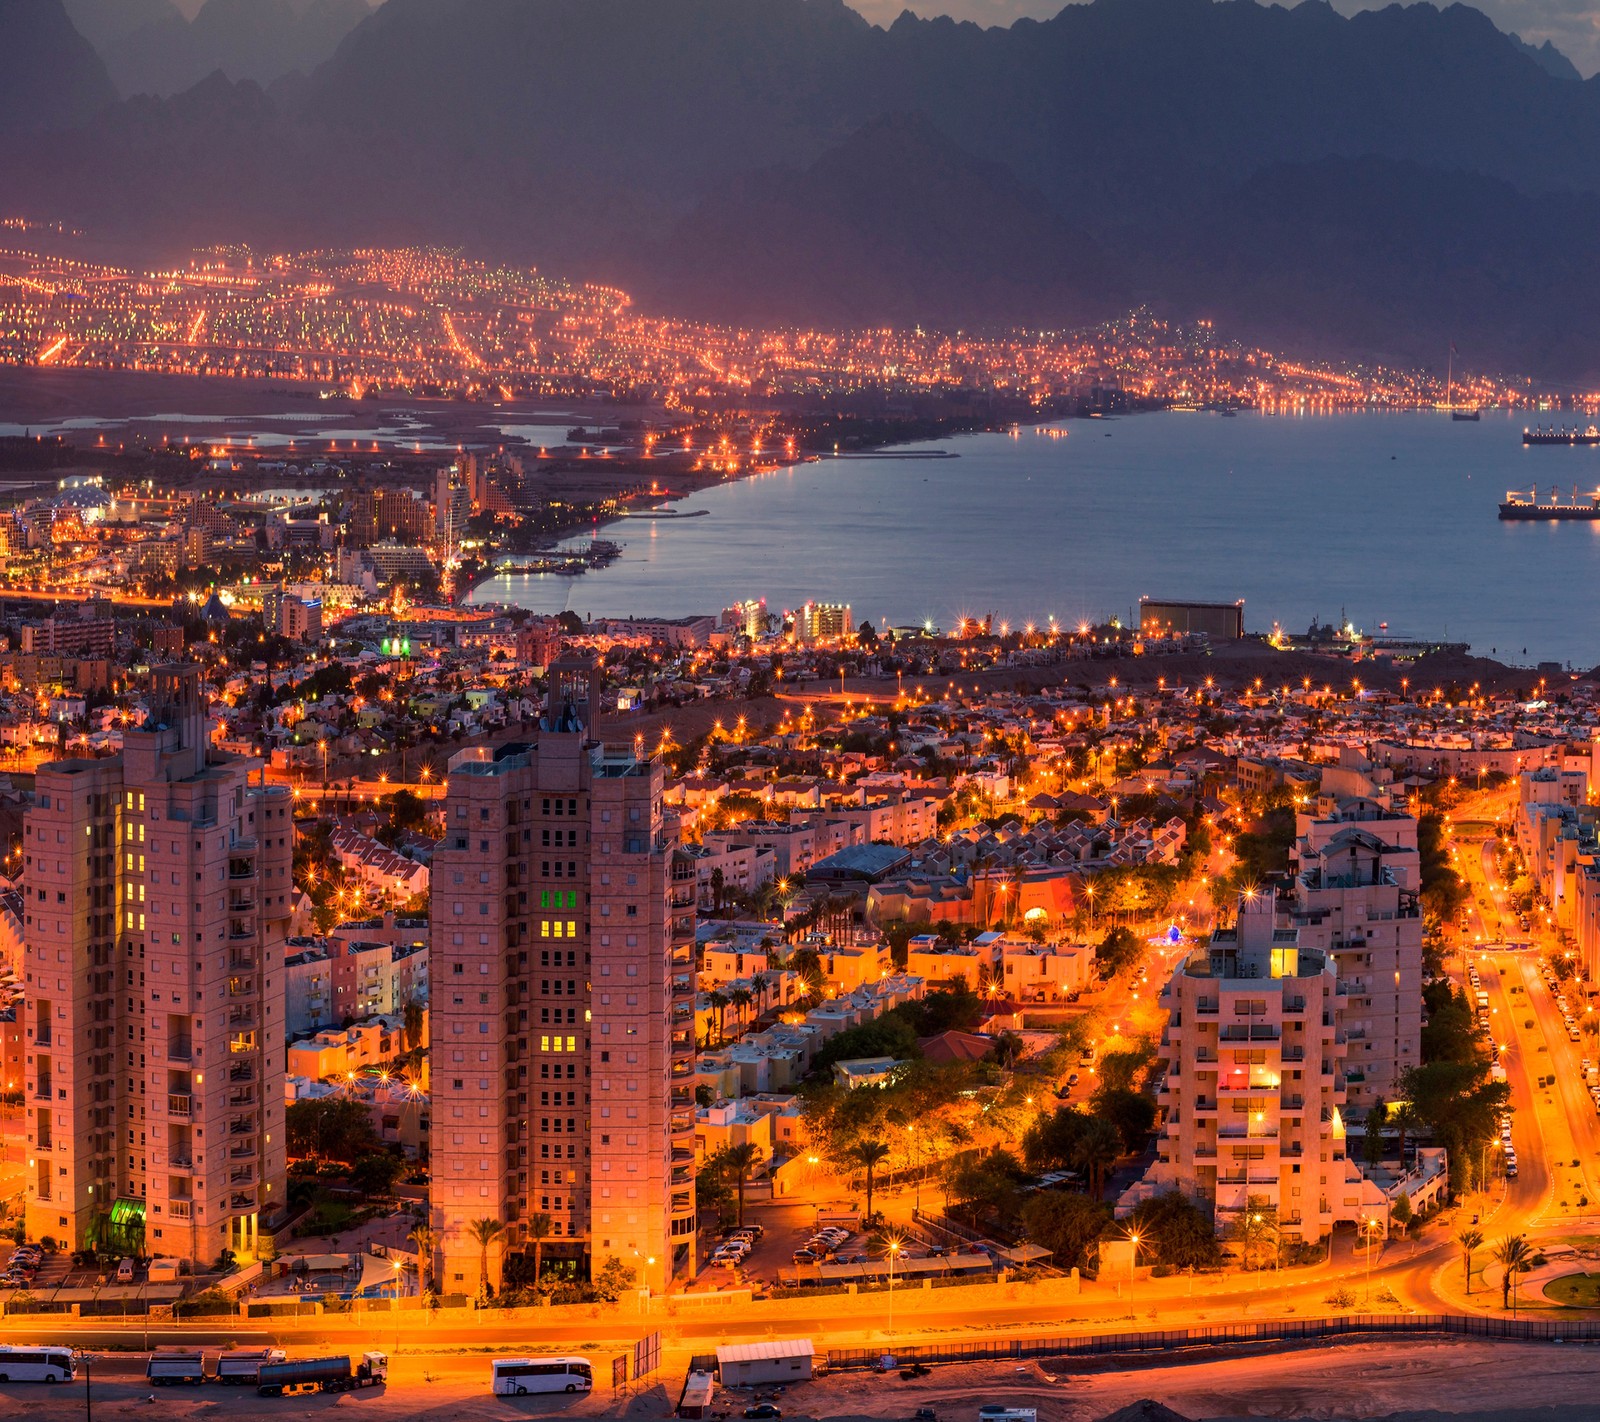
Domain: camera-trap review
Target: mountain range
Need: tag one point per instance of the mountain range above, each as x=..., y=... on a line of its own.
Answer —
x=152, y=47
x=1376, y=186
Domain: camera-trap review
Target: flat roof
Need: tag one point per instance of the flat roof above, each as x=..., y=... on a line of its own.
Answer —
x=860, y=861
x=757, y=1352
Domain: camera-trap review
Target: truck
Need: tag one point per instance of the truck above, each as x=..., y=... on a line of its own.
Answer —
x=169, y=1366
x=239, y=1366
x=297, y=1375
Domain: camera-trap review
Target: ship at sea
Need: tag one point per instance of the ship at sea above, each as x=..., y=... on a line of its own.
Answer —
x=1469, y=412
x=1540, y=435
x=1523, y=506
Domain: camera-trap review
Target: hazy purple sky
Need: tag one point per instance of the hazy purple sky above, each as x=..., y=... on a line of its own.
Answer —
x=1573, y=25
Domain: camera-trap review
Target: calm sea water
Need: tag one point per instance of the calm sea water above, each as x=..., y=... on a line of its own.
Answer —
x=1383, y=518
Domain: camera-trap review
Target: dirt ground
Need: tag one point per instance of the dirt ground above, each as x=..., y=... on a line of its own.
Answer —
x=1411, y=1380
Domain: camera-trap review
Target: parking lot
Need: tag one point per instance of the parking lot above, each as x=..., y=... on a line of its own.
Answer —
x=786, y=1229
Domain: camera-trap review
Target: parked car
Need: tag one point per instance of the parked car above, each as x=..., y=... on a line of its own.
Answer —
x=763, y=1412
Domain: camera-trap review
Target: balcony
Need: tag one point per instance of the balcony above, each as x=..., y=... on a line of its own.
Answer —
x=42, y=1037
x=241, y=903
x=182, y=1162
x=242, y=1200
x=242, y=1071
x=180, y=1050
x=242, y=1175
x=179, y=1105
x=1254, y=1032
x=44, y=1089
x=241, y=962
x=242, y=1152
x=179, y=1209
x=1206, y=1007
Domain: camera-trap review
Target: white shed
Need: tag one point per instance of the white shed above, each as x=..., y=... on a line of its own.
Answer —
x=780, y=1361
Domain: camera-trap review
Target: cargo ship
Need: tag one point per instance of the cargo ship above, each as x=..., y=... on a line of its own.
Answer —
x=1522, y=505
x=1540, y=435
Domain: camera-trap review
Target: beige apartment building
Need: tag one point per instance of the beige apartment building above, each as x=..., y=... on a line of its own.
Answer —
x=157, y=888
x=562, y=1011
x=1253, y=1101
x=1356, y=900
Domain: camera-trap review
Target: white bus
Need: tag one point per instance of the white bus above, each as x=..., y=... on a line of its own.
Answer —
x=515, y=1376
x=42, y=1364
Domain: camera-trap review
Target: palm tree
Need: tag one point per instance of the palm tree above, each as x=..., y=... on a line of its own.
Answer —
x=1098, y=1149
x=1513, y=1255
x=719, y=1004
x=538, y=1231
x=740, y=999
x=1019, y=878
x=869, y=1154
x=807, y=962
x=762, y=983
x=1403, y=1117
x=1469, y=1239
x=741, y=1159
x=483, y=1233
x=422, y=1240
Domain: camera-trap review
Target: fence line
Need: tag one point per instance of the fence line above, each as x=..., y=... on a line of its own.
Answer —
x=1224, y=1335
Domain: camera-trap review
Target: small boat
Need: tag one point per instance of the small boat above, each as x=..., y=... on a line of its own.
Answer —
x=1470, y=413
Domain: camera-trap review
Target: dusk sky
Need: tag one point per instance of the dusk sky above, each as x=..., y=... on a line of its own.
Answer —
x=1573, y=25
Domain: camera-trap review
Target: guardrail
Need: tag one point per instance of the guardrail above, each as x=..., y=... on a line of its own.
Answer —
x=1226, y=1335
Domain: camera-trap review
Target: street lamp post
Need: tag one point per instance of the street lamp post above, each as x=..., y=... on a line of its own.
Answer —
x=894, y=1249
x=1369, y=1228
